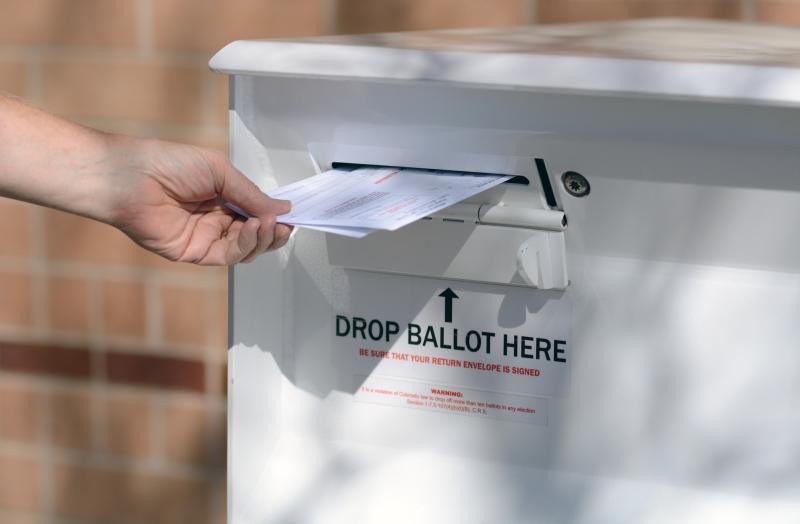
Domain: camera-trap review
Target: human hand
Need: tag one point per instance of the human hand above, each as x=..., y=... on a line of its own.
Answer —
x=169, y=198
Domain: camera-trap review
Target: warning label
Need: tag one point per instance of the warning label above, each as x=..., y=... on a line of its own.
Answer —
x=462, y=401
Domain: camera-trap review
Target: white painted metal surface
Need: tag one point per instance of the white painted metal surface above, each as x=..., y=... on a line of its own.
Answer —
x=694, y=59
x=679, y=396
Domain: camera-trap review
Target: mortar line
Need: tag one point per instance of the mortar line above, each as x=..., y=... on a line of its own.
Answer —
x=39, y=273
x=86, y=53
x=750, y=9
x=209, y=95
x=158, y=436
x=331, y=14
x=48, y=456
x=533, y=12
x=154, y=325
x=145, y=30
x=42, y=265
x=123, y=463
x=212, y=396
x=34, y=80
x=98, y=387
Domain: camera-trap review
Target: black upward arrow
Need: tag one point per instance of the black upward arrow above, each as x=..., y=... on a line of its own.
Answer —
x=448, y=296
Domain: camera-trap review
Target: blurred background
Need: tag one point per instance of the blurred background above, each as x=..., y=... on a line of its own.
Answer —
x=112, y=361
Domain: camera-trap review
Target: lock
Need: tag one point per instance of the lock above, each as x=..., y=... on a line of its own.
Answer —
x=575, y=184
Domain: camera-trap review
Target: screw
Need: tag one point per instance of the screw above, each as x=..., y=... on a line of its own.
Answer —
x=575, y=184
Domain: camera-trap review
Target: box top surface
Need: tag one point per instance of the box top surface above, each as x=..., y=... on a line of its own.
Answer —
x=664, y=57
x=653, y=39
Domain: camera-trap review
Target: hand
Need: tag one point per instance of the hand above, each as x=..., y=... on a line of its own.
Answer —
x=169, y=198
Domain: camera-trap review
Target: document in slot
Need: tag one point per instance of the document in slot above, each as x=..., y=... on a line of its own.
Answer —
x=357, y=201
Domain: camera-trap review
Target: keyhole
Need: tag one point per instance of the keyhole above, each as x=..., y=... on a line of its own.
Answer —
x=575, y=184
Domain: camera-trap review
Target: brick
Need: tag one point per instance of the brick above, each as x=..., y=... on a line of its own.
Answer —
x=785, y=12
x=193, y=433
x=13, y=78
x=133, y=90
x=72, y=419
x=185, y=317
x=207, y=25
x=69, y=22
x=68, y=304
x=566, y=11
x=124, y=309
x=158, y=371
x=218, y=379
x=45, y=360
x=220, y=502
x=16, y=300
x=129, y=425
x=21, y=518
x=20, y=412
x=14, y=223
x=20, y=481
x=359, y=16
x=104, y=495
x=76, y=239
x=205, y=137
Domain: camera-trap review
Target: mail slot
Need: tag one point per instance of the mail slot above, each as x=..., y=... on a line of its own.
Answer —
x=514, y=218
x=610, y=336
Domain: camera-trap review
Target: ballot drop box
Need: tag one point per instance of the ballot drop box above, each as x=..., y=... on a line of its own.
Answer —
x=611, y=335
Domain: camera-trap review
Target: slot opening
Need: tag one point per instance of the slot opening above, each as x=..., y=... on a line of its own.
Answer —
x=516, y=179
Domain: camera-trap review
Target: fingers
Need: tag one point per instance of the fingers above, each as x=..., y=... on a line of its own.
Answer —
x=242, y=240
x=281, y=206
x=282, y=234
x=245, y=240
x=237, y=189
x=266, y=235
x=271, y=236
x=232, y=241
x=207, y=231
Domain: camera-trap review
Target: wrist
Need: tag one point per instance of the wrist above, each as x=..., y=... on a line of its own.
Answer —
x=91, y=188
x=107, y=179
x=110, y=177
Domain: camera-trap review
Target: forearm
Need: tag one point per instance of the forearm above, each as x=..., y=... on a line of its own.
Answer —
x=49, y=161
x=167, y=197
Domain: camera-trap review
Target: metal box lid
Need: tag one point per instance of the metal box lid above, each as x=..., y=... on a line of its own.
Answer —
x=712, y=60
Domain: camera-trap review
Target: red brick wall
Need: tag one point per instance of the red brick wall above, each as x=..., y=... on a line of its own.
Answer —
x=111, y=359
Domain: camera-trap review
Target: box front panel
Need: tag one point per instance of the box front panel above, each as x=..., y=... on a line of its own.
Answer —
x=662, y=385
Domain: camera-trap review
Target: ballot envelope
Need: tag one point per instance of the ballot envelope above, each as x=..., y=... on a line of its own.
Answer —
x=610, y=333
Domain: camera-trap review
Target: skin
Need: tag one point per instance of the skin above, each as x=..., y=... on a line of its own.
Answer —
x=168, y=198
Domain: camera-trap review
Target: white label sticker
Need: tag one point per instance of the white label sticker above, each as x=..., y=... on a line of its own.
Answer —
x=461, y=401
x=482, y=337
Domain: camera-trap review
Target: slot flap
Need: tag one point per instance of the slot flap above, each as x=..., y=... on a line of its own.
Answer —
x=502, y=215
x=518, y=216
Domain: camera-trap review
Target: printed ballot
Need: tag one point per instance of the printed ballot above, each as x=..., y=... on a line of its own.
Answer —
x=357, y=201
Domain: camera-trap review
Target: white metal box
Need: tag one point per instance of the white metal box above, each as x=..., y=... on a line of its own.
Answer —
x=662, y=384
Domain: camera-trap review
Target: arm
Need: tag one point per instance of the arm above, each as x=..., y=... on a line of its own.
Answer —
x=167, y=197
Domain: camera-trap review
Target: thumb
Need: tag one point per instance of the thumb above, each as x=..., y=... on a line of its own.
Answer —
x=240, y=191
